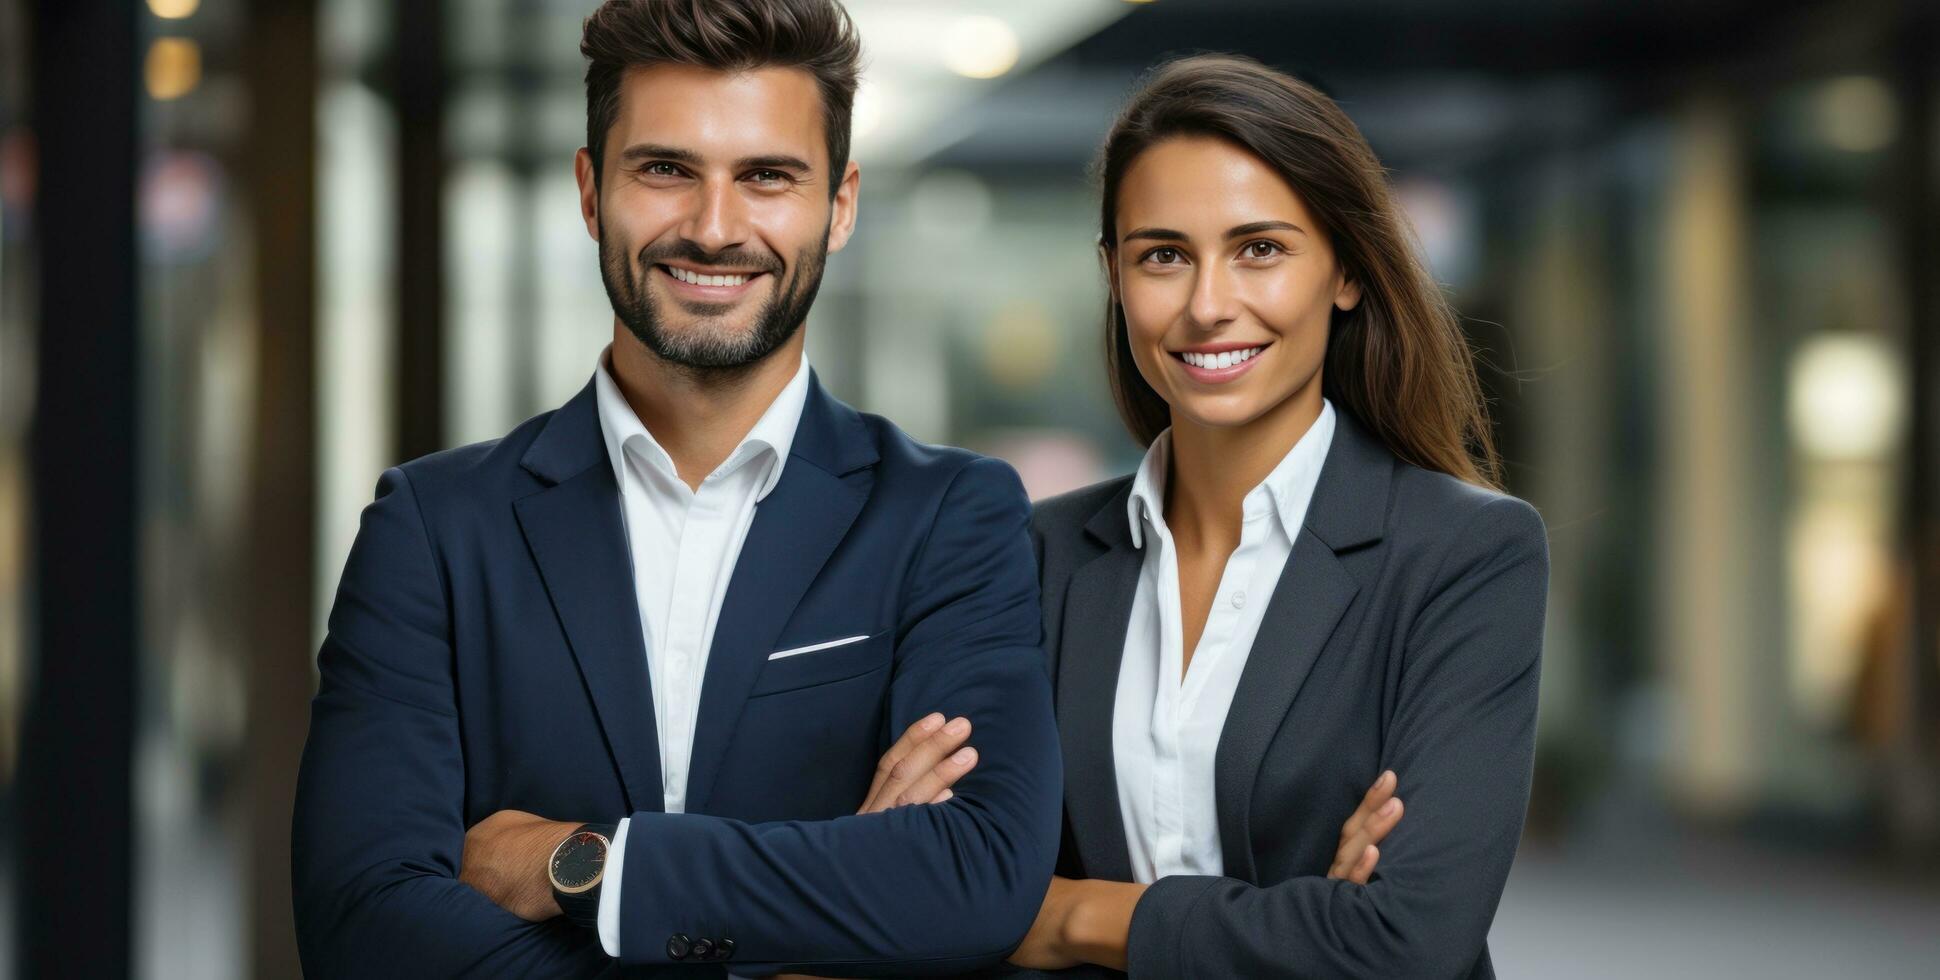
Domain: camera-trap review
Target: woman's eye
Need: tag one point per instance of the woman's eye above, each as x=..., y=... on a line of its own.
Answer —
x=1163, y=256
x=1262, y=250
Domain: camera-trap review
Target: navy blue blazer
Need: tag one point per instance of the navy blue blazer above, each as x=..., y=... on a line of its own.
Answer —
x=484, y=652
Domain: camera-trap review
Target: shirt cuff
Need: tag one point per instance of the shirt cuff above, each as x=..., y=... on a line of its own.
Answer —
x=609, y=914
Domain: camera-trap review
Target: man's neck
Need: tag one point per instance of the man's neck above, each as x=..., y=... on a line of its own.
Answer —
x=698, y=417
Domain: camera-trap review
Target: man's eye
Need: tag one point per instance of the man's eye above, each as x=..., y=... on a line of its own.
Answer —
x=662, y=169
x=768, y=176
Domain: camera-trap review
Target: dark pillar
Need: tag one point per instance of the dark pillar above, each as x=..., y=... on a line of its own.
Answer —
x=1917, y=189
x=419, y=69
x=76, y=847
x=280, y=174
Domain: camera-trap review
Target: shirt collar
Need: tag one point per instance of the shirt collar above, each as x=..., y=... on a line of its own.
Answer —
x=1285, y=492
x=773, y=432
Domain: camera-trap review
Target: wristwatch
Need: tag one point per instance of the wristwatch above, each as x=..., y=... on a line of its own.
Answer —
x=576, y=868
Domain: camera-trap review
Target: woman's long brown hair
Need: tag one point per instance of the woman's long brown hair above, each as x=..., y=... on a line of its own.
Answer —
x=1398, y=361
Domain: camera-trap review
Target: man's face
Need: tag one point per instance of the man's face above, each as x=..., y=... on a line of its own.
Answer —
x=713, y=212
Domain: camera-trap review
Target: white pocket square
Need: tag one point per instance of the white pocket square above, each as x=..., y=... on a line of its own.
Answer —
x=811, y=648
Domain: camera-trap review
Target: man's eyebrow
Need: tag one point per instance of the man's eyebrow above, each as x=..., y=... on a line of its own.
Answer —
x=655, y=151
x=773, y=161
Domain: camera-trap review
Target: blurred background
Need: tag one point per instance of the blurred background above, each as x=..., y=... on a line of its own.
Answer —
x=254, y=251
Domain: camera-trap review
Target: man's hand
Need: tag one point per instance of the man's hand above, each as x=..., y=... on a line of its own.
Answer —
x=923, y=764
x=505, y=858
x=1379, y=812
x=920, y=768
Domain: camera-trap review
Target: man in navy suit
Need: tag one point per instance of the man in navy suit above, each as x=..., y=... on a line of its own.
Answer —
x=612, y=687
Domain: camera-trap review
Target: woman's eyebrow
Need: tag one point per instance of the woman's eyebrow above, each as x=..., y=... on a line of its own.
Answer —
x=1156, y=234
x=1256, y=227
x=1250, y=228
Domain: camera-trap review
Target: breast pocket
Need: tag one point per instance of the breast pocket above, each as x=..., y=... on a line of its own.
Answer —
x=797, y=665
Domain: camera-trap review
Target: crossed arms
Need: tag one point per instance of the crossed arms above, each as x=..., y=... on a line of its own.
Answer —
x=379, y=833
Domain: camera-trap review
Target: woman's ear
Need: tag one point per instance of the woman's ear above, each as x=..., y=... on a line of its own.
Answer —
x=1349, y=294
x=1111, y=270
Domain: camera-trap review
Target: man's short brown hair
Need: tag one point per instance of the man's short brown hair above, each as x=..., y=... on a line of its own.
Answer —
x=725, y=35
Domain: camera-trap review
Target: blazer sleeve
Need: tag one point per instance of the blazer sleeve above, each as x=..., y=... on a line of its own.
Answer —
x=918, y=889
x=1462, y=741
x=379, y=827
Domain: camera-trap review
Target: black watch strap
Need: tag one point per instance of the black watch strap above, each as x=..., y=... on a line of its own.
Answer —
x=582, y=907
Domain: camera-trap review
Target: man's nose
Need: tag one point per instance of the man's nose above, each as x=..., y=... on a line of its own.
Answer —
x=719, y=220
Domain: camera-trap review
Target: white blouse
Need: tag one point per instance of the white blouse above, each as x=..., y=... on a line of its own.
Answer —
x=1165, y=731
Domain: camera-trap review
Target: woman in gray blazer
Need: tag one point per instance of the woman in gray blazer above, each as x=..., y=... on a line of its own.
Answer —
x=1312, y=580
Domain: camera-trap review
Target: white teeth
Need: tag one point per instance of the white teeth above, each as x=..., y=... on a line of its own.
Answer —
x=700, y=280
x=1225, y=359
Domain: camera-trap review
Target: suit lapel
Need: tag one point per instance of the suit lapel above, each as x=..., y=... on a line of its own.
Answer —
x=796, y=527
x=575, y=532
x=1314, y=589
x=1097, y=610
x=1348, y=511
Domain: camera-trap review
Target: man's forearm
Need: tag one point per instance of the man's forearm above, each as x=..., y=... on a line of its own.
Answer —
x=934, y=886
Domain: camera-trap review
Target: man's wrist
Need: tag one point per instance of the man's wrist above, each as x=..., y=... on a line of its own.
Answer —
x=575, y=870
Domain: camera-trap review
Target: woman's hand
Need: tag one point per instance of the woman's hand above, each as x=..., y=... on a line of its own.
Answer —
x=922, y=765
x=1379, y=812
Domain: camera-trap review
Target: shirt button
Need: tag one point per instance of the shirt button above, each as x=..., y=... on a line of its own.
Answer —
x=1239, y=600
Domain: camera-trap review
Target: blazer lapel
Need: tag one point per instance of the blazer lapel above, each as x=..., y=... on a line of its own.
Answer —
x=1316, y=587
x=577, y=538
x=796, y=527
x=1097, y=610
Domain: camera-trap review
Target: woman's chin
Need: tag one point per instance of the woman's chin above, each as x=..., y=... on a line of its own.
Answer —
x=1224, y=412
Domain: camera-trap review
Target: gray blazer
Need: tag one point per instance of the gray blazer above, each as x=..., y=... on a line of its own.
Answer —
x=1405, y=633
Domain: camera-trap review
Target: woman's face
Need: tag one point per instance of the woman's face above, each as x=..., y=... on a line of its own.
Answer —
x=1227, y=283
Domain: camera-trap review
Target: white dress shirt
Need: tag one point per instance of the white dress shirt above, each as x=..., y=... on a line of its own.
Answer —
x=1165, y=730
x=683, y=544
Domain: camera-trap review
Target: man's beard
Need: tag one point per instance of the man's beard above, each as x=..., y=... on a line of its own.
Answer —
x=712, y=347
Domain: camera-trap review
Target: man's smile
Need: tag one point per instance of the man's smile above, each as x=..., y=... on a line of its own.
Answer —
x=708, y=284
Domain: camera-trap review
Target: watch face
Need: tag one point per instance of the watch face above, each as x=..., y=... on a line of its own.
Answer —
x=578, y=861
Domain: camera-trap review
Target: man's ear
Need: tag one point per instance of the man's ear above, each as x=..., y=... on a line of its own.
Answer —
x=589, y=192
x=843, y=212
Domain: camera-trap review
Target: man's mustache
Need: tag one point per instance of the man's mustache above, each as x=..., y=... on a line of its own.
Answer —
x=731, y=258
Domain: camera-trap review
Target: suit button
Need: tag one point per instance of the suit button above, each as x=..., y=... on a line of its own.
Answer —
x=723, y=948
x=678, y=946
x=703, y=949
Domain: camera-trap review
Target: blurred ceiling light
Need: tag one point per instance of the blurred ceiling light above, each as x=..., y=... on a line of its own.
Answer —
x=173, y=69
x=1857, y=114
x=1845, y=398
x=980, y=47
x=173, y=9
